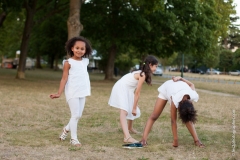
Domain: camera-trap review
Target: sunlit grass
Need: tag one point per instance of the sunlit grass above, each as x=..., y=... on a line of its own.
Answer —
x=31, y=122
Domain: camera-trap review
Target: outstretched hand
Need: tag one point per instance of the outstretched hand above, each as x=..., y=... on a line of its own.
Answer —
x=52, y=96
x=175, y=79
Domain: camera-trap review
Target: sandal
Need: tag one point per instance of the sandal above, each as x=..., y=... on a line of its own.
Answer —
x=129, y=140
x=64, y=134
x=75, y=143
x=132, y=131
x=199, y=144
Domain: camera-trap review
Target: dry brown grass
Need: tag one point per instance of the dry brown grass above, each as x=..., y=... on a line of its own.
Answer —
x=31, y=122
x=208, y=76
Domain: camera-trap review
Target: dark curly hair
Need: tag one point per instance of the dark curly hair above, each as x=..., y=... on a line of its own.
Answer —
x=187, y=112
x=71, y=42
x=146, y=69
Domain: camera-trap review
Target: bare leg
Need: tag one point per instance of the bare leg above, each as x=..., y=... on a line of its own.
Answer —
x=174, y=124
x=130, y=127
x=158, y=108
x=123, y=121
x=193, y=132
x=130, y=124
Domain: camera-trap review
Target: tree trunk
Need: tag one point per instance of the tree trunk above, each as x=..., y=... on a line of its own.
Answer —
x=74, y=25
x=56, y=63
x=110, y=64
x=225, y=43
x=30, y=9
x=2, y=18
x=38, y=61
x=51, y=61
x=109, y=71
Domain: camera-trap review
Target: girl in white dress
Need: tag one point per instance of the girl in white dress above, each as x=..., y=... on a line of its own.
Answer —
x=180, y=93
x=126, y=92
x=75, y=80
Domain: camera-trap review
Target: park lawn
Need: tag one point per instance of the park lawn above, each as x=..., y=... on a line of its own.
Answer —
x=31, y=122
x=217, y=83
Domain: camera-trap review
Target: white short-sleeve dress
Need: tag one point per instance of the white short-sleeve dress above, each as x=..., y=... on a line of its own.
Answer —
x=78, y=83
x=176, y=90
x=122, y=95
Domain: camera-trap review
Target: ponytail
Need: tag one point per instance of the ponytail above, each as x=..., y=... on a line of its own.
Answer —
x=146, y=68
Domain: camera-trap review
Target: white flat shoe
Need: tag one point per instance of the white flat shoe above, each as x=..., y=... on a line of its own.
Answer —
x=75, y=143
x=64, y=134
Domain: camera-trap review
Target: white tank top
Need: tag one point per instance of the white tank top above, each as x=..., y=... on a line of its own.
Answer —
x=78, y=83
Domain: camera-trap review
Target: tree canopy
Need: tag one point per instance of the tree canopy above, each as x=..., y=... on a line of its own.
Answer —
x=160, y=28
x=120, y=29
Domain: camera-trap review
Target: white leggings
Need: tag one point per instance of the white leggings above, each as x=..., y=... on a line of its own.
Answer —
x=76, y=106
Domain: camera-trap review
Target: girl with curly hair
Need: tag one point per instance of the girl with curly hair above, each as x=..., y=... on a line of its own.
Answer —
x=75, y=83
x=180, y=93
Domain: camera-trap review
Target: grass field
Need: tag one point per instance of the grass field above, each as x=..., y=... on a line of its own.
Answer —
x=31, y=122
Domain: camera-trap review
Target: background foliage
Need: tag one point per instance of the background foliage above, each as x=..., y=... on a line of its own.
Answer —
x=124, y=32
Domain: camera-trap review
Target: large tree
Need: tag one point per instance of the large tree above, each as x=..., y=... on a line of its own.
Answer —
x=111, y=24
x=149, y=27
x=74, y=25
x=31, y=7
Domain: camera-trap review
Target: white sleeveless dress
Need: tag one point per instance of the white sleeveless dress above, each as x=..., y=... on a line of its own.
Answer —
x=78, y=83
x=122, y=95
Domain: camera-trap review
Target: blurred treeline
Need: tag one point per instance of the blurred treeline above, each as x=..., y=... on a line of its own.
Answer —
x=123, y=32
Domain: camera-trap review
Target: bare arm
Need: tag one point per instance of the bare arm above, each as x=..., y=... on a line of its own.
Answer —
x=174, y=124
x=175, y=79
x=63, y=81
x=137, y=93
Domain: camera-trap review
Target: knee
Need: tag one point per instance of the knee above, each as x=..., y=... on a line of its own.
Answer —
x=173, y=121
x=154, y=117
